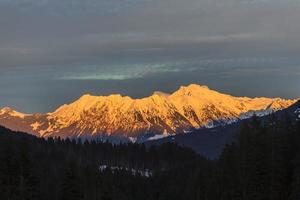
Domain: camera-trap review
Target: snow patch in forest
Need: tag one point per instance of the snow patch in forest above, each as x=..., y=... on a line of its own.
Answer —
x=135, y=172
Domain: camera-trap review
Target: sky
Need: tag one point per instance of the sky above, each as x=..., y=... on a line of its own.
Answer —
x=54, y=51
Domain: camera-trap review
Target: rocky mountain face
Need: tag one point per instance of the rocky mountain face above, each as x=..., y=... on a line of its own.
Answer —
x=161, y=114
x=211, y=142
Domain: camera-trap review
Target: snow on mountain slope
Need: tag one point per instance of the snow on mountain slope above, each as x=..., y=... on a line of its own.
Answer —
x=190, y=107
x=12, y=113
x=201, y=105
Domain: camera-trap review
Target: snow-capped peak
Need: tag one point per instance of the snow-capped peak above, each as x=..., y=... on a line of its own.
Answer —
x=9, y=111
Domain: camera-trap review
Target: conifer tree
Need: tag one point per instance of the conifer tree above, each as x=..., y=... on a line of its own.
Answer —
x=71, y=188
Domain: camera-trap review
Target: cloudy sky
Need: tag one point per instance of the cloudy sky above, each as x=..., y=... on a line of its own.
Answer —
x=53, y=51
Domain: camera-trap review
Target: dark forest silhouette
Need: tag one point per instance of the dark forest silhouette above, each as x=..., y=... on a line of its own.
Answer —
x=262, y=164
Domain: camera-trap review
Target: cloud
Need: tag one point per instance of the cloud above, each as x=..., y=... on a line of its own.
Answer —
x=113, y=28
x=155, y=44
x=71, y=7
x=230, y=67
x=125, y=72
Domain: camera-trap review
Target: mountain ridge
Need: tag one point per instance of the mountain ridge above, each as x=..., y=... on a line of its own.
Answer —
x=211, y=142
x=190, y=107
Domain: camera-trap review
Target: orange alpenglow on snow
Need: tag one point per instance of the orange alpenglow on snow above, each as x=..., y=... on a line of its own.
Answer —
x=190, y=107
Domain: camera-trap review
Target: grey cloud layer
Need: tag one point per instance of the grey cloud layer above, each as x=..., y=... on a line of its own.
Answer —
x=123, y=42
x=67, y=32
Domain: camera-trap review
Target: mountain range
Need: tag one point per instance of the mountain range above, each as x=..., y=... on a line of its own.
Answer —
x=157, y=116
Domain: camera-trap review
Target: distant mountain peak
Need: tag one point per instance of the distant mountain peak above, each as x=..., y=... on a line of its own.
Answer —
x=11, y=112
x=193, y=87
x=159, y=93
x=6, y=109
x=194, y=90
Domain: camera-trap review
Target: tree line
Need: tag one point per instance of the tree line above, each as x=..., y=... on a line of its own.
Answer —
x=263, y=163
